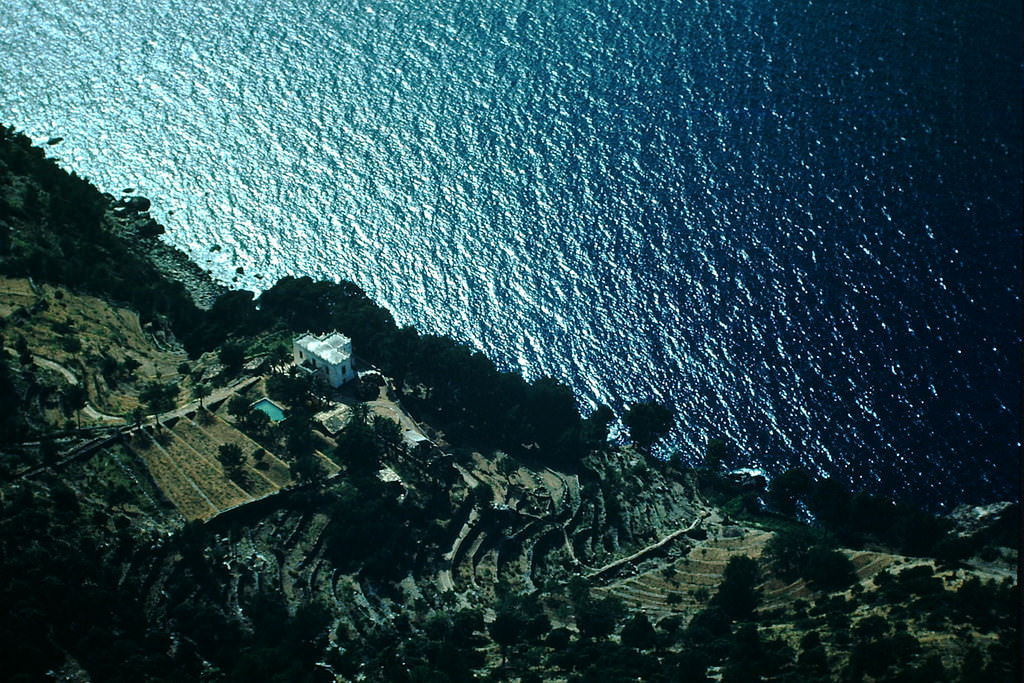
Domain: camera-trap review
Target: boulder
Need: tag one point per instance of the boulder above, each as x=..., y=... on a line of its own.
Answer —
x=138, y=203
x=128, y=205
x=150, y=228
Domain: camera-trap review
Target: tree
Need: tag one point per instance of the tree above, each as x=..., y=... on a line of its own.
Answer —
x=507, y=467
x=786, y=551
x=788, y=488
x=307, y=467
x=48, y=449
x=596, y=617
x=138, y=415
x=800, y=553
x=638, y=633
x=828, y=570
x=715, y=453
x=201, y=391
x=257, y=421
x=159, y=397
x=359, y=414
x=388, y=434
x=298, y=433
x=24, y=355
x=595, y=427
x=109, y=368
x=231, y=457
x=506, y=630
x=75, y=397
x=830, y=502
x=232, y=355
x=358, y=448
x=738, y=594
x=279, y=357
x=238, y=406
x=647, y=422
x=72, y=345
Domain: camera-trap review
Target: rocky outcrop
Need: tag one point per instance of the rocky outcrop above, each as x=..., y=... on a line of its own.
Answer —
x=134, y=222
x=131, y=205
x=970, y=520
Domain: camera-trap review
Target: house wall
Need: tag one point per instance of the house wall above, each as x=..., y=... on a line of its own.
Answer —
x=339, y=374
x=336, y=374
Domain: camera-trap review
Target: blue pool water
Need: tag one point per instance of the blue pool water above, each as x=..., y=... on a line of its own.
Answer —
x=273, y=411
x=797, y=224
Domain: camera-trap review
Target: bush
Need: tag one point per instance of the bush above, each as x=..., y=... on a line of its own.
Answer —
x=828, y=570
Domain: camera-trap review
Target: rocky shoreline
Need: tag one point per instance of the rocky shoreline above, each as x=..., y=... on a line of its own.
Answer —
x=130, y=217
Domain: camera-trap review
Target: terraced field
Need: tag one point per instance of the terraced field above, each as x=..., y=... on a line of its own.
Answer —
x=205, y=471
x=549, y=525
x=277, y=472
x=54, y=322
x=203, y=440
x=683, y=586
x=183, y=462
x=178, y=486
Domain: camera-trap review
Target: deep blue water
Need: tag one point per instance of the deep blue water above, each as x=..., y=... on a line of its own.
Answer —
x=797, y=223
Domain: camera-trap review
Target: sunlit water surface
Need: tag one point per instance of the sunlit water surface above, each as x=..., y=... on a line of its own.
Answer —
x=797, y=223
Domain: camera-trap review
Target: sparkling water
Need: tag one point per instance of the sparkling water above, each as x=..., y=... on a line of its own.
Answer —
x=796, y=223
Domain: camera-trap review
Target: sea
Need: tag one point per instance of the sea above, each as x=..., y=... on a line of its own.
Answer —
x=797, y=224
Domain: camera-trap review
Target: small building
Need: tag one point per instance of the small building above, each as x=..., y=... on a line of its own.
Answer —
x=327, y=354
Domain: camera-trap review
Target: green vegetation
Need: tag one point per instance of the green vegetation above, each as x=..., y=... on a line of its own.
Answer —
x=51, y=219
x=232, y=458
x=796, y=553
x=468, y=563
x=458, y=389
x=647, y=422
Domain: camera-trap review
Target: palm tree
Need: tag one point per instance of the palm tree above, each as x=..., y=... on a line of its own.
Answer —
x=232, y=458
x=159, y=398
x=359, y=414
x=388, y=433
x=280, y=357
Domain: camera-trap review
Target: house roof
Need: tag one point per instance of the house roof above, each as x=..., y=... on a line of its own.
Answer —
x=334, y=348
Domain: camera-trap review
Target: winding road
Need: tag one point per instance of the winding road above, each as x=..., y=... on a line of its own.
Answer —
x=89, y=411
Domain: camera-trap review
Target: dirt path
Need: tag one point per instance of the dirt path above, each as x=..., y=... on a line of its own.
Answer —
x=408, y=426
x=216, y=395
x=643, y=552
x=89, y=411
x=93, y=414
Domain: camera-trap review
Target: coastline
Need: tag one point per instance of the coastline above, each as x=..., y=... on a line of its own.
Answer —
x=142, y=233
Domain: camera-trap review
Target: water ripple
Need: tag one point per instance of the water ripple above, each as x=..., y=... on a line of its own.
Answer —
x=798, y=225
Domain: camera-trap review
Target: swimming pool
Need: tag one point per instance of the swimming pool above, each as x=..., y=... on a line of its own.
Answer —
x=273, y=411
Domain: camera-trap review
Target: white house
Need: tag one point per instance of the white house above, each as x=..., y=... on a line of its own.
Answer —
x=328, y=354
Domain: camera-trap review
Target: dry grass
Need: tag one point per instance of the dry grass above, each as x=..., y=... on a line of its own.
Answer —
x=61, y=318
x=183, y=493
x=15, y=294
x=680, y=587
x=220, y=431
x=206, y=473
x=187, y=469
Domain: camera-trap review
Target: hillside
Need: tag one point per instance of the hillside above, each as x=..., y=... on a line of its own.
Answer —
x=435, y=521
